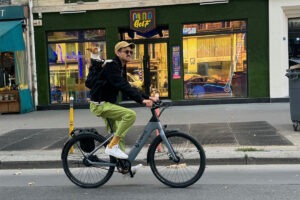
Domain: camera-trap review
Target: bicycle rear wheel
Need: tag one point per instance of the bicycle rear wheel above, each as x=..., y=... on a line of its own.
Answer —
x=191, y=163
x=83, y=170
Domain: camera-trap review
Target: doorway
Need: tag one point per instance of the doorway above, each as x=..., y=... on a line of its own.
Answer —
x=148, y=70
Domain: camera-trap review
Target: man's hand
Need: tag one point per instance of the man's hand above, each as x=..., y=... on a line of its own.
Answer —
x=148, y=102
x=155, y=98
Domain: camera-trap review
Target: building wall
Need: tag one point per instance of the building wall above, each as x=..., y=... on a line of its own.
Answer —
x=254, y=11
x=279, y=13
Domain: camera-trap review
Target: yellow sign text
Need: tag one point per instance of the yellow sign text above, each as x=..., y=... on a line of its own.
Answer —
x=141, y=23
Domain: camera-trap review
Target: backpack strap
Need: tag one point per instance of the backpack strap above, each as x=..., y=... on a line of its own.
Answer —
x=107, y=61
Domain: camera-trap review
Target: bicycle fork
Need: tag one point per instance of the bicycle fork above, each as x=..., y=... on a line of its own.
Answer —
x=167, y=143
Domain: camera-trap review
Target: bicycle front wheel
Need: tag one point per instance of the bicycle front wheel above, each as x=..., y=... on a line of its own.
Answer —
x=184, y=172
x=87, y=171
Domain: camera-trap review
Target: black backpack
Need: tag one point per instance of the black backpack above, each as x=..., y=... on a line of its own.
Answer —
x=94, y=81
x=94, y=73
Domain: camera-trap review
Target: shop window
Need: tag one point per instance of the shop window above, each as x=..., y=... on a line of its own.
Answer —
x=63, y=36
x=215, y=60
x=69, y=59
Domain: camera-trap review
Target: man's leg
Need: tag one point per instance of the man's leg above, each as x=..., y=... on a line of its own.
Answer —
x=116, y=114
x=114, y=125
x=124, y=119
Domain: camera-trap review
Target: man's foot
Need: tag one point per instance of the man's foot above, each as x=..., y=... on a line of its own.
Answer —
x=134, y=169
x=115, y=151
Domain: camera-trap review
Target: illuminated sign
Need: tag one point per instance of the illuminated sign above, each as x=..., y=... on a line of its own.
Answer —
x=142, y=20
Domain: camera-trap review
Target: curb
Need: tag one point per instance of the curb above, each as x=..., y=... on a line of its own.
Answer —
x=44, y=164
x=251, y=161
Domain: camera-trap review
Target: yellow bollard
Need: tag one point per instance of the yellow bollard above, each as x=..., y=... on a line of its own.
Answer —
x=71, y=123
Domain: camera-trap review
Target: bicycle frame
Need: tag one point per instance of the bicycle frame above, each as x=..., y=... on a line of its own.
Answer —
x=153, y=124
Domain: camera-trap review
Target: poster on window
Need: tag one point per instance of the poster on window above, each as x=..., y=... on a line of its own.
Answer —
x=176, y=62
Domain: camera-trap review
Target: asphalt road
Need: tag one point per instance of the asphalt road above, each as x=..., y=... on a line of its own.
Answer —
x=267, y=182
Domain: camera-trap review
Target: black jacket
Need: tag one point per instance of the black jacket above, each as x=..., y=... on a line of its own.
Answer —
x=113, y=74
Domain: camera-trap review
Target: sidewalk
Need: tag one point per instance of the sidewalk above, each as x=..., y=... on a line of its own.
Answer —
x=34, y=140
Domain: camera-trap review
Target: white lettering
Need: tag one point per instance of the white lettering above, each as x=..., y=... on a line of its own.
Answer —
x=2, y=13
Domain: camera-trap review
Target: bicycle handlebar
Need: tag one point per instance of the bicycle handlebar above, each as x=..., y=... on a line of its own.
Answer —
x=160, y=104
x=157, y=104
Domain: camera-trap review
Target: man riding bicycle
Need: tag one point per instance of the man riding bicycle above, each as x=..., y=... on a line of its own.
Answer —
x=104, y=102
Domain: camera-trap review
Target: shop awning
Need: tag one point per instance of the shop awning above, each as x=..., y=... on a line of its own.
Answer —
x=11, y=36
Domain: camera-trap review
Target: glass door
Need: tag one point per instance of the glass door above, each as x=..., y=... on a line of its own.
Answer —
x=148, y=70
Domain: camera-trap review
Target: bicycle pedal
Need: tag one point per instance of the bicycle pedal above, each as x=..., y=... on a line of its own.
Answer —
x=123, y=171
x=128, y=175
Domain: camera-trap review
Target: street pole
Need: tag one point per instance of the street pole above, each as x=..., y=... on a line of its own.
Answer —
x=33, y=60
x=71, y=121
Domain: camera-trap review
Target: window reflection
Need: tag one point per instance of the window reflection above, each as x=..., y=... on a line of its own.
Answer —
x=69, y=63
x=215, y=60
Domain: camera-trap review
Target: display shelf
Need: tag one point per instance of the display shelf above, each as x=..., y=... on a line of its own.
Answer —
x=9, y=101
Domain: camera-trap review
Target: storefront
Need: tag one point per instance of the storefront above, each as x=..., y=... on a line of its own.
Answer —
x=15, y=95
x=186, y=52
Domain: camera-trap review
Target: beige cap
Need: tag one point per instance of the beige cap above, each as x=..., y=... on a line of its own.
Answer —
x=123, y=44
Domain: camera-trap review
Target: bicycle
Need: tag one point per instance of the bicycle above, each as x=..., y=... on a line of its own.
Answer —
x=175, y=158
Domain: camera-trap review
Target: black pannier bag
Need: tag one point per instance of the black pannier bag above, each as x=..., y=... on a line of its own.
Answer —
x=87, y=145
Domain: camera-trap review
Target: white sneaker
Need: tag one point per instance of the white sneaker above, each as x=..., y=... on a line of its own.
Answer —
x=134, y=169
x=115, y=151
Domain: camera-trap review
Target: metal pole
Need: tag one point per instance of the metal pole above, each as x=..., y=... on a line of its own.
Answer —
x=34, y=75
x=71, y=122
x=28, y=47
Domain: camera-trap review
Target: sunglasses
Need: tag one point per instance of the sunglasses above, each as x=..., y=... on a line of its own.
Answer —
x=128, y=52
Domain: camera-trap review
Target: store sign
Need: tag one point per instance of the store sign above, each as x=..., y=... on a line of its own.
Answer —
x=142, y=20
x=11, y=12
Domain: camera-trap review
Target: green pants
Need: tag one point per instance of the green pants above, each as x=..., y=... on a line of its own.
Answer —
x=121, y=118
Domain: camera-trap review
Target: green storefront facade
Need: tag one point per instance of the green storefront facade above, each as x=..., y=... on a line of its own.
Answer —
x=199, y=42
